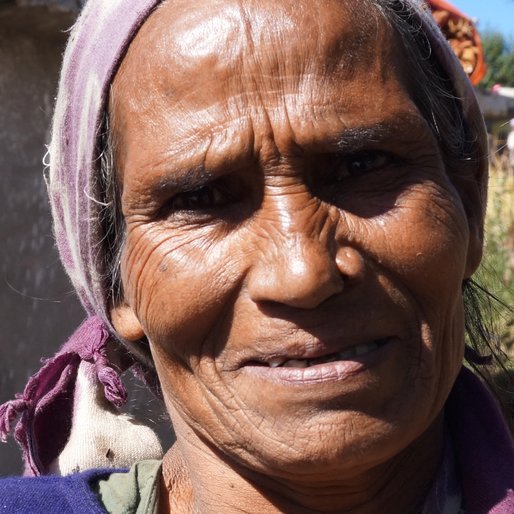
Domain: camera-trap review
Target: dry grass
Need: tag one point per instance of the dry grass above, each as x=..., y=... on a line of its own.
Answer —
x=497, y=271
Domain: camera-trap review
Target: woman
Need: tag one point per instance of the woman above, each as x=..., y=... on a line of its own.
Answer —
x=275, y=206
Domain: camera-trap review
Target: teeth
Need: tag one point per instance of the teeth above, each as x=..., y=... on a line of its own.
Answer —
x=294, y=363
x=347, y=354
x=356, y=351
x=327, y=358
x=362, y=349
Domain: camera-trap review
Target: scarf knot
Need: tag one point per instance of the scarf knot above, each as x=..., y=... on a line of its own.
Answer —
x=49, y=394
x=9, y=412
x=96, y=353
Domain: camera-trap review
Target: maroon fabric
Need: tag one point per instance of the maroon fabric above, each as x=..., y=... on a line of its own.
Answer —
x=478, y=464
x=484, y=447
x=45, y=407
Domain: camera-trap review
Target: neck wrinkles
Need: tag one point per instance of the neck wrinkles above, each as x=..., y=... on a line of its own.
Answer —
x=198, y=480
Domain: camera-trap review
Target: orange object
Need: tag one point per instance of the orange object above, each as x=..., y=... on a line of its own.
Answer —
x=463, y=37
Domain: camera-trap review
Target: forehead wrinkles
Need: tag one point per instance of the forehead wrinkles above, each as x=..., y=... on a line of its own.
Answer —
x=244, y=45
x=286, y=59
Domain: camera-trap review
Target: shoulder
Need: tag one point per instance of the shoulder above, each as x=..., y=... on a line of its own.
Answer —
x=484, y=446
x=134, y=491
x=55, y=494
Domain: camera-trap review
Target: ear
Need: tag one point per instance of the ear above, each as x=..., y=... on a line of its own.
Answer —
x=126, y=323
x=471, y=183
x=475, y=251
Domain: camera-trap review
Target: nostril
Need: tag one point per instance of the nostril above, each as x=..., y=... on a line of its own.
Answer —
x=350, y=263
x=303, y=287
x=298, y=271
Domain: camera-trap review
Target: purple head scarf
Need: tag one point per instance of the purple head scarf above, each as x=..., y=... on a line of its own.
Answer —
x=81, y=372
x=47, y=409
x=95, y=48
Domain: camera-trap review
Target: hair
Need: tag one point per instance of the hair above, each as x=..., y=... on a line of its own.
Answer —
x=111, y=215
x=436, y=100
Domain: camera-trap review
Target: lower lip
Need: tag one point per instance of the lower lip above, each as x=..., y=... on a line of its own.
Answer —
x=321, y=373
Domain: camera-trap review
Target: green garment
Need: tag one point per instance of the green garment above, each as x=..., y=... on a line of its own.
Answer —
x=135, y=492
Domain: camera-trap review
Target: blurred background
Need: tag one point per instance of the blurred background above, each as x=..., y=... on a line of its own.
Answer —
x=38, y=309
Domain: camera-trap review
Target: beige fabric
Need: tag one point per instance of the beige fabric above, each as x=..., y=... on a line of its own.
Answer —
x=101, y=437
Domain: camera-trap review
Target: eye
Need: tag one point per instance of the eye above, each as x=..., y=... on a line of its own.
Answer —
x=203, y=198
x=361, y=163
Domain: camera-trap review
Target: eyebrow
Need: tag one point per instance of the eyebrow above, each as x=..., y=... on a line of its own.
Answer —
x=185, y=180
x=401, y=129
x=407, y=125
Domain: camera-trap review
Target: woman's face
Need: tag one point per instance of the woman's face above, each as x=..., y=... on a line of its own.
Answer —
x=295, y=249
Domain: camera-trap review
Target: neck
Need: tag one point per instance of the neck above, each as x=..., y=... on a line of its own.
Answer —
x=196, y=479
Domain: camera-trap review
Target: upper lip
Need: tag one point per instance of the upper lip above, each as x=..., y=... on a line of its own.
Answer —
x=306, y=348
x=315, y=334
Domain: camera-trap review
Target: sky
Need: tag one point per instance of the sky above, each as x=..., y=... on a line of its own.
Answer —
x=492, y=14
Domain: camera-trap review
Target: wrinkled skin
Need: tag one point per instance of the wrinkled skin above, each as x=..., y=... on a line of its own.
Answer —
x=284, y=198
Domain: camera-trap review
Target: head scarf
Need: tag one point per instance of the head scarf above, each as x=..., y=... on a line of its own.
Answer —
x=80, y=379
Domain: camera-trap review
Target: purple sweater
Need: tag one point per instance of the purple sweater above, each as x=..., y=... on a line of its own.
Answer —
x=52, y=494
x=484, y=451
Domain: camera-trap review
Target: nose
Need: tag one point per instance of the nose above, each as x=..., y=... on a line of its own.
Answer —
x=302, y=268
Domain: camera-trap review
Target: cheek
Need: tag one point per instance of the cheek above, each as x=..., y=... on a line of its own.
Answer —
x=425, y=247
x=178, y=283
x=424, y=242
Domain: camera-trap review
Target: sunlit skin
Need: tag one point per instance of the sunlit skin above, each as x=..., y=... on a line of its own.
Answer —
x=285, y=200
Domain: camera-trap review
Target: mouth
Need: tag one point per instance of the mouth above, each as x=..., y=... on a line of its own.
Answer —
x=349, y=354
